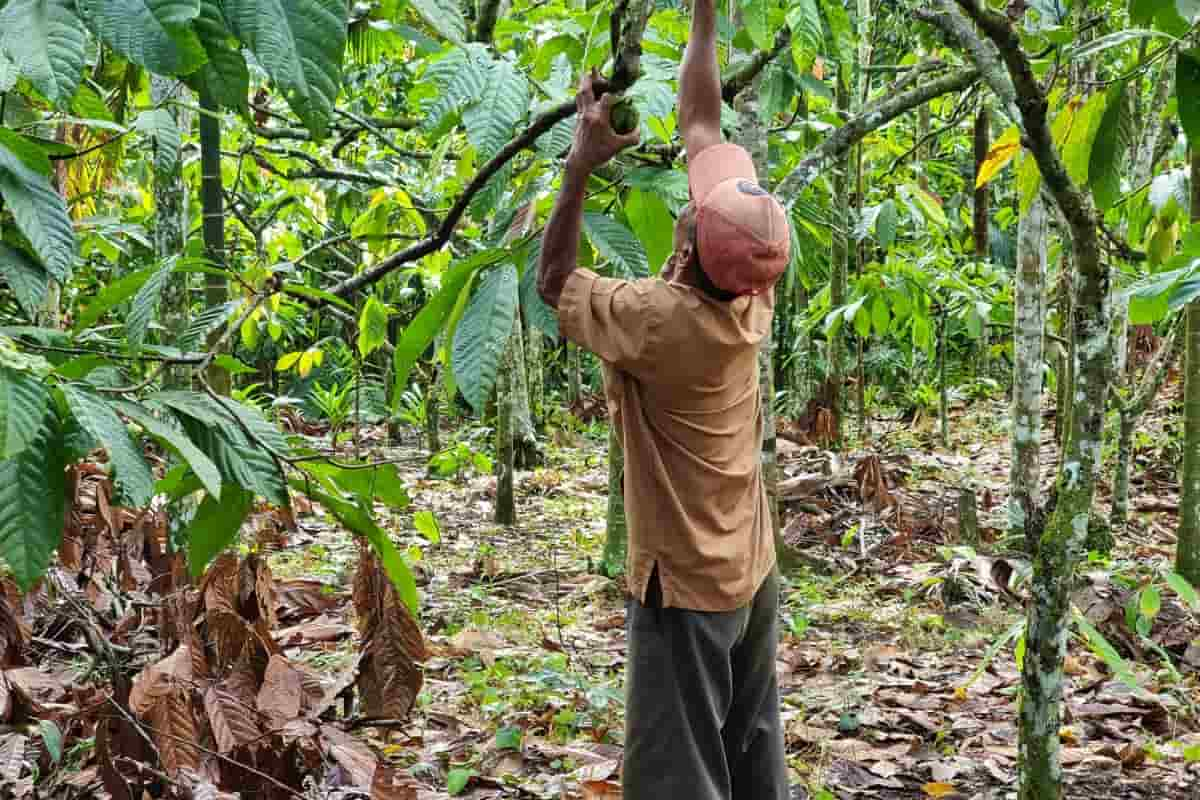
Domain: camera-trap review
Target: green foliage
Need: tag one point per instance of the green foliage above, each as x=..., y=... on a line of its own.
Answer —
x=1187, y=91
x=45, y=41
x=484, y=332
x=216, y=525
x=33, y=504
x=97, y=416
x=23, y=405
x=39, y=211
x=154, y=34
x=372, y=326
x=1114, y=137
x=145, y=304
x=616, y=244
x=159, y=127
x=224, y=75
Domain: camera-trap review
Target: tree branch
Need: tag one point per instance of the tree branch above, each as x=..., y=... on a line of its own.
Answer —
x=746, y=74
x=841, y=140
x=983, y=53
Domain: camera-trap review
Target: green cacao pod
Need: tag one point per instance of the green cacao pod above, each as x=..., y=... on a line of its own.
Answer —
x=623, y=117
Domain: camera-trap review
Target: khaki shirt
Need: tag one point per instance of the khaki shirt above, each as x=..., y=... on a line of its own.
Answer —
x=681, y=380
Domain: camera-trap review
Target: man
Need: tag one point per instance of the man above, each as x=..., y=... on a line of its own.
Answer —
x=681, y=377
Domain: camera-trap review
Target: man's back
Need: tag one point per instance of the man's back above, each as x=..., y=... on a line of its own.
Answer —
x=681, y=378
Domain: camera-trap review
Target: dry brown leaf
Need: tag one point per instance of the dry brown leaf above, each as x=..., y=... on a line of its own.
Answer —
x=12, y=757
x=14, y=636
x=390, y=783
x=304, y=598
x=601, y=790
x=282, y=694
x=352, y=755
x=174, y=728
x=158, y=680
x=233, y=723
x=389, y=678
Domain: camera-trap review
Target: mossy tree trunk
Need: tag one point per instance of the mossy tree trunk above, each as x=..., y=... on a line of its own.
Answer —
x=616, y=527
x=1028, y=346
x=216, y=288
x=1187, y=554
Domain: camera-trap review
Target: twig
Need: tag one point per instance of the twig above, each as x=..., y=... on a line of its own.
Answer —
x=92, y=149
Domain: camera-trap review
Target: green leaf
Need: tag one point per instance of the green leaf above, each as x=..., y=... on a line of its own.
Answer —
x=1029, y=182
x=97, y=417
x=509, y=738
x=359, y=520
x=240, y=461
x=300, y=44
x=756, y=15
x=1150, y=602
x=23, y=402
x=491, y=122
x=461, y=77
x=158, y=125
x=930, y=208
x=1142, y=12
x=381, y=482
x=170, y=434
x=429, y=320
x=53, y=739
x=27, y=279
x=457, y=780
x=225, y=75
x=9, y=73
x=483, y=334
x=535, y=310
x=427, y=525
x=372, y=326
x=1077, y=150
x=1187, y=593
x=317, y=294
x=39, y=210
x=33, y=488
x=885, y=224
x=1187, y=91
x=145, y=305
x=233, y=365
x=862, y=321
x=154, y=34
x=216, y=525
x=651, y=220
x=46, y=41
x=1121, y=37
x=1107, y=653
x=1114, y=137
x=445, y=17
x=616, y=244
x=111, y=296
x=881, y=317
x=804, y=18
x=840, y=30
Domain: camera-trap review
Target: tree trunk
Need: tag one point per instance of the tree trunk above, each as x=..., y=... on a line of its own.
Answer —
x=1187, y=554
x=1028, y=344
x=433, y=422
x=216, y=288
x=506, y=509
x=980, y=223
x=616, y=537
x=922, y=153
x=860, y=201
x=524, y=437
x=171, y=224
x=537, y=380
x=943, y=389
x=839, y=256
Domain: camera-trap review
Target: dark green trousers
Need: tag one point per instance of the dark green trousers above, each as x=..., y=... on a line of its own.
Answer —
x=702, y=701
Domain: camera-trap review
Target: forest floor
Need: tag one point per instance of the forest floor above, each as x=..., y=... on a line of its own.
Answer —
x=897, y=661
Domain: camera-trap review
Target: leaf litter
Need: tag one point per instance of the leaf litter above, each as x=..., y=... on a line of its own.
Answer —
x=293, y=669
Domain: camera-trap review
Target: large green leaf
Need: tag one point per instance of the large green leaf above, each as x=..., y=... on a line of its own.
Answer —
x=422, y=330
x=45, y=40
x=616, y=244
x=372, y=326
x=111, y=296
x=1077, y=149
x=33, y=489
x=23, y=401
x=537, y=312
x=483, y=334
x=9, y=72
x=225, y=75
x=490, y=123
x=300, y=44
x=145, y=304
x=239, y=461
x=155, y=34
x=445, y=16
x=357, y=519
x=885, y=224
x=25, y=277
x=1113, y=139
x=840, y=30
x=461, y=77
x=381, y=482
x=651, y=220
x=158, y=125
x=808, y=36
x=756, y=14
x=39, y=211
x=96, y=416
x=216, y=525
x=170, y=433
x=1187, y=89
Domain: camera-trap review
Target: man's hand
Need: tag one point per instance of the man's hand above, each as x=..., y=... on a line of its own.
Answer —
x=595, y=140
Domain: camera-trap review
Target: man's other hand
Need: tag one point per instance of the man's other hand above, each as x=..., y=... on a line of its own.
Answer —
x=595, y=141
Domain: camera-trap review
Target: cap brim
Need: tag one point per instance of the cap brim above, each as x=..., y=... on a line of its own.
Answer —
x=716, y=164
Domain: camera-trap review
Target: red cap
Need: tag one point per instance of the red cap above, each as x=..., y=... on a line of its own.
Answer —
x=742, y=232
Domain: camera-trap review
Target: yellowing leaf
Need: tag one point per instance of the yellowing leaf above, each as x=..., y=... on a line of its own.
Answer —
x=287, y=361
x=938, y=789
x=307, y=361
x=1002, y=151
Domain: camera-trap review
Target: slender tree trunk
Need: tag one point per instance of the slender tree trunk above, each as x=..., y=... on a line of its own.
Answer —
x=865, y=53
x=524, y=436
x=1028, y=344
x=506, y=509
x=922, y=154
x=433, y=405
x=616, y=527
x=537, y=380
x=216, y=289
x=1187, y=554
x=839, y=257
x=171, y=224
x=980, y=226
x=943, y=389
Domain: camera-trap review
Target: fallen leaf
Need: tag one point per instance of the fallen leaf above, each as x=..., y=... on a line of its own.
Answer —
x=938, y=789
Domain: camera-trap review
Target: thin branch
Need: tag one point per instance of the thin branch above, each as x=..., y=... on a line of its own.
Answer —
x=744, y=76
x=92, y=149
x=873, y=118
x=956, y=118
x=983, y=52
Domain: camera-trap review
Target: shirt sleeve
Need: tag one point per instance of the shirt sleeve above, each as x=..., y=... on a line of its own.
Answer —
x=615, y=319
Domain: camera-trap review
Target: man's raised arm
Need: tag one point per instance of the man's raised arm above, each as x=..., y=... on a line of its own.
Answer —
x=700, y=82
